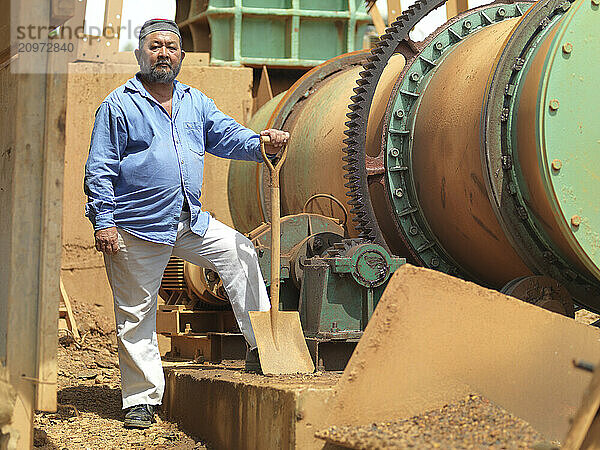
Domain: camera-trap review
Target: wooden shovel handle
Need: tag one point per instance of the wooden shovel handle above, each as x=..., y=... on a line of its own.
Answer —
x=274, y=170
x=275, y=227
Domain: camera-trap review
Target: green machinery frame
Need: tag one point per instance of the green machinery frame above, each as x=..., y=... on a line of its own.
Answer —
x=285, y=33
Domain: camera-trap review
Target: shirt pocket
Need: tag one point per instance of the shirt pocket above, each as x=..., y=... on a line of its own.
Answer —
x=194, y=132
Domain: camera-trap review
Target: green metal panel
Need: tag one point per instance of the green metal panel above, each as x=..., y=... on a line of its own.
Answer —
x=314, y=30
x=324, y=5
x=569, y=109
x=335, y=305
x=298, y=33
x=275, y=33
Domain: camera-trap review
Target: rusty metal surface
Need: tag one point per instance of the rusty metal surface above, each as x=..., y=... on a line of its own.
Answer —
x=314, y=111
x=447, y=167
x=394, y=41
x=543, y=292
x=434, y=339
x=245, y=177
x=205, y=283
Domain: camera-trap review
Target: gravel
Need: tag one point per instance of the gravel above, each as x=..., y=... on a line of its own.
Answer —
x=474, y=422
x=89, y=414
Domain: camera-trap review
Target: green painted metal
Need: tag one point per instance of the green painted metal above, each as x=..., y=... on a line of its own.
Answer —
x=298, y=33
x=399, y=141
x=296, y=230
x=341, y=289
x=568, y=112
x=505, y=181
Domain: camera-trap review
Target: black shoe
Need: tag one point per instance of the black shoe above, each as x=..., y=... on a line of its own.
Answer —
x=252, y=361
x=139, y=416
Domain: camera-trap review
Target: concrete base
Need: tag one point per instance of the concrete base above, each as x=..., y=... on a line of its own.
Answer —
x=237, y=410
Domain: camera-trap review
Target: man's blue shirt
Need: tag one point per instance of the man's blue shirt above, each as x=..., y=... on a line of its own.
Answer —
x=142, y=162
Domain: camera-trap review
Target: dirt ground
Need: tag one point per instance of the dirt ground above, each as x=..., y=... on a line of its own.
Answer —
x=89, y=412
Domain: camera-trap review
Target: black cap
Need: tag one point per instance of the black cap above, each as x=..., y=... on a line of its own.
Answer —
x=154, y=25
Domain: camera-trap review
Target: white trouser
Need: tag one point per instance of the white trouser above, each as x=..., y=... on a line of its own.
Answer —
x=135, y=274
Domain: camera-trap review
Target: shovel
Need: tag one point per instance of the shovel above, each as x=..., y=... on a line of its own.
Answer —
x=281, y=345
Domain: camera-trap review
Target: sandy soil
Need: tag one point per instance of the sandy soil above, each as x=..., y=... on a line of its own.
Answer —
x=89, y=412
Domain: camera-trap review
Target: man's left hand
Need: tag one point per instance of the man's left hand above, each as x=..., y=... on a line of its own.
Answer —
x=278, y=139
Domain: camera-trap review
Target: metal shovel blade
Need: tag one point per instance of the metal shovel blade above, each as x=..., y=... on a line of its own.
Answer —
x=281, y=345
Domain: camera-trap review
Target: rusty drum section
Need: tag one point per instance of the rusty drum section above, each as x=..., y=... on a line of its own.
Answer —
x=468, y=183
x=313, y=110
x=543, y=292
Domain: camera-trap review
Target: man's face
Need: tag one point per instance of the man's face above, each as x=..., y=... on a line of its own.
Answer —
x=160, y=57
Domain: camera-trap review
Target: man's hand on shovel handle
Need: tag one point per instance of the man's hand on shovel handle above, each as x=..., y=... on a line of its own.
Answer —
x=278, y=139
x=107, y=240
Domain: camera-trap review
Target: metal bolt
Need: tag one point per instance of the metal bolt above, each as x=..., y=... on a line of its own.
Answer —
x=567, y=47
x=394, y=152
x=413, y=231
x=399, y=114
x=435, y=262
x=554, y=104
x=467, y=24
x=501, y=12
x=438, y=46
x=415, y=76
x=398, y=192
x=556, y=164
x=576, y=220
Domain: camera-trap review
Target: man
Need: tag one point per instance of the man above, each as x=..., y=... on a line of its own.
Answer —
x=143, y=178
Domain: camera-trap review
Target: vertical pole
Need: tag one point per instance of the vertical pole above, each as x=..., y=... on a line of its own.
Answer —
x=351, y=27
x=394, y=10
x=51, y=230
x=455, y=7
x=295, y=31
x=26, y=256
x=237, y=31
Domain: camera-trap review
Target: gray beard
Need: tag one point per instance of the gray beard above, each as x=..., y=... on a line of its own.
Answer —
x=156, y=75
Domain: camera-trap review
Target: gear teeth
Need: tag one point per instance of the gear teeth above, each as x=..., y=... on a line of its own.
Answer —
x=356, y=127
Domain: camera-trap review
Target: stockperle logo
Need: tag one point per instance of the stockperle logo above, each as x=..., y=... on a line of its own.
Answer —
x=44, y=42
